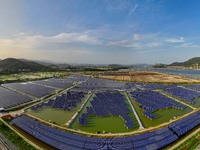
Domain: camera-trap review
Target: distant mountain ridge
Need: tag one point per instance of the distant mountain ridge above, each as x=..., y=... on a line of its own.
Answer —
x=192, y=61
x=12, y=65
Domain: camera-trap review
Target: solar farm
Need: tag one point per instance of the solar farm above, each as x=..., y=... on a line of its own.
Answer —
x=81, y=112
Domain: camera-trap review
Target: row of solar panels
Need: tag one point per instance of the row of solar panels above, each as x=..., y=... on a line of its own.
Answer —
x=152, y=100
x=10, y=98
x=147, y=141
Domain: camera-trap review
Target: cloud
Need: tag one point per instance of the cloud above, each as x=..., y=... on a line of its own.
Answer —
x=153, y=44
x=125, y=43
x=138, y=41
x=180, y=40
x=133, y=9
x=188, y=45
x=136, y=37
x=75, y=37
x=118, y=6
x=31, y=41
x=60, y=47
x=149, y=51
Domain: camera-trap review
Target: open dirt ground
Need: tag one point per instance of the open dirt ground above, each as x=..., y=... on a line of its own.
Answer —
x=145, y=76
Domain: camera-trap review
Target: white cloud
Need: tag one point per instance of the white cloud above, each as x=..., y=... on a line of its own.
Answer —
x=22, y=40
x=138, y=41
x=121, y=5
x=149, y=51
x=75, y=37
x=125, y=43
x=39, y=46
x=136, y=37
x=188, y=45
x=180, y=40
x=133, y=9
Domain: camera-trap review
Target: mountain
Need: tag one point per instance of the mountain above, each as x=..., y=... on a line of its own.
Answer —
x=12, y=65
x=192, y=61
x=42, y=62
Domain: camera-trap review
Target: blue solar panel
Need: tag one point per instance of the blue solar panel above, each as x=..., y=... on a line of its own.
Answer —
x=184, y=94
x=64, y=140
x=186, y=124
x=152, y=100
x=31, y=89
x=65, y=101
x=9, y=98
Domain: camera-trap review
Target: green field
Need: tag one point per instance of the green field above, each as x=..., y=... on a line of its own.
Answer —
x=197, y=104
x=106, y=124
x=163, y=115
x=59, y=116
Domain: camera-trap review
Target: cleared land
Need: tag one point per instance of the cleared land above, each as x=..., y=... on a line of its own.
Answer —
x=145, y=76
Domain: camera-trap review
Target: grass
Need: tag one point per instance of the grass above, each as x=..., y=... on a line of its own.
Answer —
x=30, y=76
x=106, y=124
x=14, y=138
x=163, y=115
x=59, y=116
x=192, y=143
x=197, y=104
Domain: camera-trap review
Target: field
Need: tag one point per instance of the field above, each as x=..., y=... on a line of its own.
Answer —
x=145, y=76
x=120, y=108
x=164, y=115
x=106, y=124
x=30, y=76
x=59, y=116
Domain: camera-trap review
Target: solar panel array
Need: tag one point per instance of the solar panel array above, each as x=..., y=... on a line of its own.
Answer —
x=151, y=101
x=193, y=86
x=186, y=124
x=83, y=119
x=133, y=86
x=68, y=141
x=58, y=83
x=9, y=98
x=77, y=78
x=184, y=94
x=96, y=84
x=110, y=104
x=65, y=101
x=30, y=88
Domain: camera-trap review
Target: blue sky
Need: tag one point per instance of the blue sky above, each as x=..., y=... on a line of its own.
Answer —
x=100, y=31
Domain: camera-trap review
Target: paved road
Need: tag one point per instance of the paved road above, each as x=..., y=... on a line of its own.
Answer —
x=78, y=112
x=136, y=115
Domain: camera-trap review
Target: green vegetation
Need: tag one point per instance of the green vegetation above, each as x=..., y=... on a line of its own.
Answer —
x=164, y=115
x=160, y=66
x=14, y=138
x=192, y=143
x=11, y=65
x=196, y=104
x=105, y=124
x=59, y=116
x=23, y=77
x=190, y=62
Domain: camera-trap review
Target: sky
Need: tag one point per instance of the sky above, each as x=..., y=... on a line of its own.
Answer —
x=100, y=31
